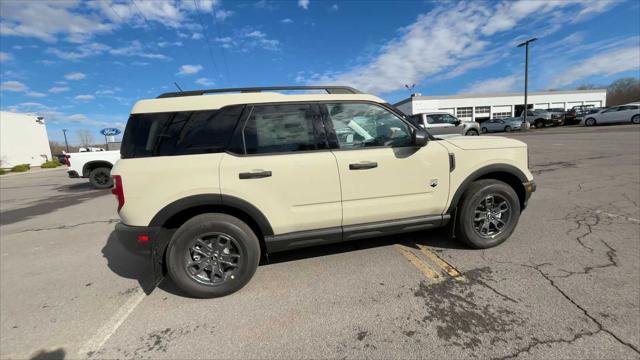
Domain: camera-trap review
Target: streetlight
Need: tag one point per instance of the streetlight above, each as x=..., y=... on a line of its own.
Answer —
x=66, y=144
x=525, y=124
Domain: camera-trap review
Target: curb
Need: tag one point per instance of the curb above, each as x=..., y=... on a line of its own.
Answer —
x=33, y=171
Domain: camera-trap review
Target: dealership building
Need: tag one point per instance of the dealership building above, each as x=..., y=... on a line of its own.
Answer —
x=483, y=107
x=23, y=140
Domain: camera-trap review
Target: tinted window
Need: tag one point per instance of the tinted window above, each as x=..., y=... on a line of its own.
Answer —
x=281, y=128
x=179, y=133
x=436, y=119
x=364, y=125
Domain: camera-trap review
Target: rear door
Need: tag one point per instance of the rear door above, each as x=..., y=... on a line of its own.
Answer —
x=383, y=176
x=280, y=163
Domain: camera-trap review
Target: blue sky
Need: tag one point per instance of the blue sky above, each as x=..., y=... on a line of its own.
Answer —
x=82, y=64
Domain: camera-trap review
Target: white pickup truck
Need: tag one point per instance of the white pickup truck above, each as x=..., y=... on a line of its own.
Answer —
x=95, y=165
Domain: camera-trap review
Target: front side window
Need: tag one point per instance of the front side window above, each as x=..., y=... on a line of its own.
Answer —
x=436, y=119
x=367, y=125
x=281, y=128
x=448, y=119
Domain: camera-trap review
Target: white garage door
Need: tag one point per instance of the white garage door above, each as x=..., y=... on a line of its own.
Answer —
x=571, y=104
x=558, y=105
x=541, y=106
x=594, y=103
x=449, y=110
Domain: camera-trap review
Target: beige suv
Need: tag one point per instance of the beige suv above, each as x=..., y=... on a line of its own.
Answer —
x=211, y=181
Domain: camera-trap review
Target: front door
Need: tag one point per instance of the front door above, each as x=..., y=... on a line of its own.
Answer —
x=283, y=167
x=382, y=175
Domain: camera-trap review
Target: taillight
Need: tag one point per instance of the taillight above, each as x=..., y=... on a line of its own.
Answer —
x=118, y=191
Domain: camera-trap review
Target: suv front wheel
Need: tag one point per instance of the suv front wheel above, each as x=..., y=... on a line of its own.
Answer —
x=488, y=214
x=213, y=255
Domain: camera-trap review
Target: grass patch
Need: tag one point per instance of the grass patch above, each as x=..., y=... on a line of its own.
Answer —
x=21, y=168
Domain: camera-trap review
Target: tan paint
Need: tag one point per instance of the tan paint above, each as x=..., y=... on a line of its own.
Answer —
x=448, y=268
x=419, y=264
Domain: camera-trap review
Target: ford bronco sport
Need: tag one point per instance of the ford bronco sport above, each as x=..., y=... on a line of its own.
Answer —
x=210, y=181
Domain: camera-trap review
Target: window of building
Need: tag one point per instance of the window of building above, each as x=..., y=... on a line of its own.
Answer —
x=501, y=115
x=365, y=125
x=483, y=109
x=465, y=112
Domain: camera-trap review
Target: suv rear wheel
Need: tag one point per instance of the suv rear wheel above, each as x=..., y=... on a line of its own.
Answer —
x=213, y=255
x=100, y=178
x=488, y=214
x=539, y=123
x=472, y=132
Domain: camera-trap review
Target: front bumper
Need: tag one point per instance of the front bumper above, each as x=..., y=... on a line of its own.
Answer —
x=73, y=174
x=529, y=188
x=148, y=245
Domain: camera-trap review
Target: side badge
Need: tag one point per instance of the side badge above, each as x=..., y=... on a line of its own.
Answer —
x=434, y=183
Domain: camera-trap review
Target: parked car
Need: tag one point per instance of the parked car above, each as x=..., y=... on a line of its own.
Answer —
x=616, y=114
x=538, y=117
x=557, y=115
x=206, y=187
x=574, y=115
x=499, y=125
x=443, y=124
x=94, y=165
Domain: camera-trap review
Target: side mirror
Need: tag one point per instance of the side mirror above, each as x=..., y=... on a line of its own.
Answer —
x=457, y=123
x=419, y=137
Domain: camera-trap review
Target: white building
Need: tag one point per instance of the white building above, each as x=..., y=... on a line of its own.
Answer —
x=23, y=140
x=483, y=107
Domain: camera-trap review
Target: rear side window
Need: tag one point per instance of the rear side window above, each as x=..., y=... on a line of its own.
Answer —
x=179, y=133
x=282, y=128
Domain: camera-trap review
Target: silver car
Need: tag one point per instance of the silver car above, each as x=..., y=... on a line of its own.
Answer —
x=500, y=125
x=615, y=114
x=443, y=124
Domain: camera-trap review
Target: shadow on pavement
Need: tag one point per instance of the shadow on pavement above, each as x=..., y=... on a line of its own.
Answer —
x=127, y=265
x=49, y=355
x=130, y=266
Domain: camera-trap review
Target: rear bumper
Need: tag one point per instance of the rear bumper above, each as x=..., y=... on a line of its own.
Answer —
x=148, y=245
x=529, y=188
x=73, y=174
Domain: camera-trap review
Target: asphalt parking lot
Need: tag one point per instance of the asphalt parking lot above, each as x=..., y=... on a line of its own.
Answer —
x=565, y=285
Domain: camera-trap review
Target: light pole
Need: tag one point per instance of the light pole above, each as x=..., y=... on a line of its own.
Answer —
x=66, y=144
x=525, y=124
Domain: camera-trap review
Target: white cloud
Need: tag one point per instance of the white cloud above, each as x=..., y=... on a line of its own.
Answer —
x=36, y=94
x=81, y=52
x=46, y=20
x=105, y=92
x=75, y=76
x=205, y=81
x=223, y=14
x=197, y=36
x=334, y=7
x=606, y=63
x=492, y=86
x=85, y=97
x=303, y=4
x=58, y=89
x=247, y=39
x=189, y=69
x=14, y=86
x=286, y=21
x=164, y=44
x=453, y=37
x=5, y=56
x=77, y=117
x=136, y=49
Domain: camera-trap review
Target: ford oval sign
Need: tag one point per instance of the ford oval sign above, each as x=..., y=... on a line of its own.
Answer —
x=110, y=132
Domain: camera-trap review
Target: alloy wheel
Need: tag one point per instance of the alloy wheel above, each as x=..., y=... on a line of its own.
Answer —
x=213, y=259
x=491, y=216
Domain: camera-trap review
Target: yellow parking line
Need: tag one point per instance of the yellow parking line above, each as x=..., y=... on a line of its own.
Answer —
x=415, y=261
x=448, y=268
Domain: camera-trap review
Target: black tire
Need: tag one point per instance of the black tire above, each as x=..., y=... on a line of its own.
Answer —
x=590, y=122
x=181, y=246
x=561, y=123
x=635, y=119
x=539, y=123
x=507, y=128
x=472, y=132
x=101, y=178
x=472, y=199
x=484, y=130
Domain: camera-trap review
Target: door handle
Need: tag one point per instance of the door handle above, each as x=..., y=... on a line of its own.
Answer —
x=363, y=165
x=254, y=174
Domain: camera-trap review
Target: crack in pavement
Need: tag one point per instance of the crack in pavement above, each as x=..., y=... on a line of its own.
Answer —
x=577, y=336
x=64, y=227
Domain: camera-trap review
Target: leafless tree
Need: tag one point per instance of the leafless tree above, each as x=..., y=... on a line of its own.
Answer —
x=85, y=137
x=623, y=91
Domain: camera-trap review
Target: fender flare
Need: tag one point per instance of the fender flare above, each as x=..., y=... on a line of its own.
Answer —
x=86, y=166
x=212, y=199
x=493, y=168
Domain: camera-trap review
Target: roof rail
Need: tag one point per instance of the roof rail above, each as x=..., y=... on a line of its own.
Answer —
x=328, y=89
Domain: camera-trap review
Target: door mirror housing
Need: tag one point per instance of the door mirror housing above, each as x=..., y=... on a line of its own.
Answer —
x=419, y=137
x=457, y=122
